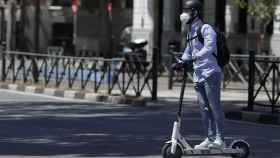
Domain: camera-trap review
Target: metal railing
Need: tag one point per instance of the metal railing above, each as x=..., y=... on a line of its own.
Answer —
x=268, y=81
x=121, y=75
x=255, y=73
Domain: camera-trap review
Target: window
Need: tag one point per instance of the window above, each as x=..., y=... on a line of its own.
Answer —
x=90, y=5
x=64, y=3
x=269, y=28
x=178, y=11
x=252, y=24
x=220, y=15
x=123, y=4
x=116, y=3
x=242, y=21
x=62, y=32
x=129, y=4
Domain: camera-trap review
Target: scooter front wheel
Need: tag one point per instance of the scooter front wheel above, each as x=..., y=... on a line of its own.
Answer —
x=166, y=151
x=244, y=148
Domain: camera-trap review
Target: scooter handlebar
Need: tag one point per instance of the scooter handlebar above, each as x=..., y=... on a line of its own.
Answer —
x=180, y=64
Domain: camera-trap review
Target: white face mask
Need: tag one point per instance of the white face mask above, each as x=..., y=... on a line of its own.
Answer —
x=185, y=17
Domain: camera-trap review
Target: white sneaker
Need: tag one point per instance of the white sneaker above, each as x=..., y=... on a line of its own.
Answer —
x=217, y=144
x=204, y=145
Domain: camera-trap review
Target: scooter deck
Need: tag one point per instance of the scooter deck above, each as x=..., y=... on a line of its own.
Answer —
x=226, y=151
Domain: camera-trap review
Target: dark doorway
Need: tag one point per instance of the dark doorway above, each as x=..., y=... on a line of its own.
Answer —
x=63, y=36
x=220, y=14
x=242, y=20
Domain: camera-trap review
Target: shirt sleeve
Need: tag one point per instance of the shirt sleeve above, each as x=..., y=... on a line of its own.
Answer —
x=210, y=37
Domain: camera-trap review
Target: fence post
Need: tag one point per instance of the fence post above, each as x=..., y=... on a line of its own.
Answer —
x=251, y=81
x=35, y=70
x=3, y=74
x=155, y=73
x=109, y=76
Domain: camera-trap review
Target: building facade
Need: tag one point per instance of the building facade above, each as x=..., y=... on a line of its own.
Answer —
x=28, y=23
x=241, y=29
x=99, y=29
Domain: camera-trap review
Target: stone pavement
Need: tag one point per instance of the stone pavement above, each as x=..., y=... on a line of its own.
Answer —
x=233, y=100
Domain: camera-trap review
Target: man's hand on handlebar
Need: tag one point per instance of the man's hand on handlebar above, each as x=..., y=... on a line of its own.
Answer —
x=177, y=66
x=181, y=64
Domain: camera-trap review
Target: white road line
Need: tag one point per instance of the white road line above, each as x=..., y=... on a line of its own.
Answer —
x=41, y=95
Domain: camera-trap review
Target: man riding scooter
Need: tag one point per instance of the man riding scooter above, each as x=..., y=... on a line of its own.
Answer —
x=207, y=73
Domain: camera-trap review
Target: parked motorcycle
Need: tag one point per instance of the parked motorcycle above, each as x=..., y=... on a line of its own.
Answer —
x=136, y=49
x=135, y=53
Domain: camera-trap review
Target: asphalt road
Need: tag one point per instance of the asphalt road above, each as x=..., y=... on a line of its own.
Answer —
x=35, y=126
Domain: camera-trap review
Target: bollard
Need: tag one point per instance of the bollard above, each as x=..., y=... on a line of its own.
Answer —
x=155, y=73
x=251, y=81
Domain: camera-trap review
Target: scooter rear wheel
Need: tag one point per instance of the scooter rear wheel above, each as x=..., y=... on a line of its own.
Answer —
x=166, y=151
x=244, y=147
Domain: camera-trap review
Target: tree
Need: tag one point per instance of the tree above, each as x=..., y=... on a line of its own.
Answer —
x=262, y=10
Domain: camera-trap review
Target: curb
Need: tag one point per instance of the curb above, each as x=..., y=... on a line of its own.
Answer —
x=258, y=117
x=72, y=94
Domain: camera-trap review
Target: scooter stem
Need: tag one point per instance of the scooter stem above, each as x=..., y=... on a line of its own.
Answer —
x=182, y=93
x=174, y=137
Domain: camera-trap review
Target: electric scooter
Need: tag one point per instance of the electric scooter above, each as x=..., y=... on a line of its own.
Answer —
x=178, y=145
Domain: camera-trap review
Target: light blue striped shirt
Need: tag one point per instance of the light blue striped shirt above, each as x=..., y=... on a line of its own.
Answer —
x=204, y=62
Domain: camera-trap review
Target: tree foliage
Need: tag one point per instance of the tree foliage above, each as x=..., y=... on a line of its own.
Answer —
x=263, y=10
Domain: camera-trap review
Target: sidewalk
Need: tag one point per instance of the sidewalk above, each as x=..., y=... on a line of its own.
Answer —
x=233, y=100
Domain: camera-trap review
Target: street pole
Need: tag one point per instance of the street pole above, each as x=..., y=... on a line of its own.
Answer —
x=22, y=28
x=75, y=18
x=251, y=81
x=13, y=26
x=155, y=73
x=2, y=25
x=110, y=23
x=160, y=23
x=158, y=5
x=8, y=25
x=36, y=40
x=158, y=18
x=10, y=33
x=74, y=32
x=37, y=26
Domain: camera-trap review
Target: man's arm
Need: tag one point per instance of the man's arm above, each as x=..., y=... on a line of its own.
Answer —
x=209, y=45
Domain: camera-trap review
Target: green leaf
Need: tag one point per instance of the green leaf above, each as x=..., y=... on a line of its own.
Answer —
x=263, y=10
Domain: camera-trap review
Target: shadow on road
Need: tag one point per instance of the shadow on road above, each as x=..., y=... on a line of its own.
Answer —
x=99, y=130
x=83, y=129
